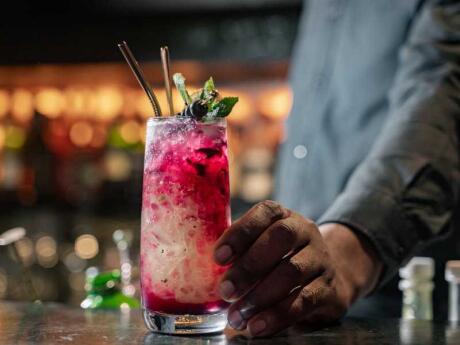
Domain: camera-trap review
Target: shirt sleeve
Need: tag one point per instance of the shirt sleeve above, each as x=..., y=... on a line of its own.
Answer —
x=406, y=191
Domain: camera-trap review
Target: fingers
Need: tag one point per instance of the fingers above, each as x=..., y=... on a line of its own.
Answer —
x=241, y=235
x=282, y=238
x=298, y=306
x=291, y=274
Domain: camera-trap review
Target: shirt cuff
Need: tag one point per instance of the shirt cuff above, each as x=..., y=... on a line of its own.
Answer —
x=379, y=218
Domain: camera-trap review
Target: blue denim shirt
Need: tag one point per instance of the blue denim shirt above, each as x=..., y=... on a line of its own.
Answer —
x=373, y=136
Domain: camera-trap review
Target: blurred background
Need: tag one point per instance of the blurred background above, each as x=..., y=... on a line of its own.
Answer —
x=72, y=120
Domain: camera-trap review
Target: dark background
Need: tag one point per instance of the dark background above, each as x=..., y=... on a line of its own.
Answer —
x=60, y=191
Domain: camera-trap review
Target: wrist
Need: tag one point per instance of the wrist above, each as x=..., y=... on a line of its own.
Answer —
x=357, y=265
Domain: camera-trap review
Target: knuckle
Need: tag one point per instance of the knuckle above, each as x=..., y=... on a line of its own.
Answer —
x=286, y=232
x=271, y=209
x=311, y=297
x=294, y=270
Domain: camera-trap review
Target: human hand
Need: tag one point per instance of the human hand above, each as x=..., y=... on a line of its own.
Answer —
x=282, y=272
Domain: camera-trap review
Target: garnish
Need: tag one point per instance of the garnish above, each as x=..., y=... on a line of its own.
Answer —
x=205, y=103
x=179, y=80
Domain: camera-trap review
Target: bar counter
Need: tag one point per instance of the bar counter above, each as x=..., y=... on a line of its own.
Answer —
x=53, y=324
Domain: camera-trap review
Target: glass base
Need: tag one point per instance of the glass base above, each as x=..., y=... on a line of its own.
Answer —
x=185, y=324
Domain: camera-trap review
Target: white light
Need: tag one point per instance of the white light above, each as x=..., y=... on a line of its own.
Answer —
x=300, y=152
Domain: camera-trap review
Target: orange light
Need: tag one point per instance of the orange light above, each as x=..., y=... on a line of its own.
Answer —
x=2, y=137
x=4, y=103
x=86, y=246
x=22, y=105
x=81, y=133
x=243, y=109
x=129, y=132
x=109, y=103
x=275, y=103
x=178, y=102
x=143, y=106
x=130, y=102
x=81, y=103
x=50, y=102
x=142, y=132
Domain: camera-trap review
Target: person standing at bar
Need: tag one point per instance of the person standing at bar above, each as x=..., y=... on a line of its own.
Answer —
x=369, y=173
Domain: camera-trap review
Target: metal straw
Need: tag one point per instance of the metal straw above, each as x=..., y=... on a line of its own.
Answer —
x=167, y=76
x=134, y=65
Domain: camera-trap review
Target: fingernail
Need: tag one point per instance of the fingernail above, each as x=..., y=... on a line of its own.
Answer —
x=247, y=309
x=257, y=327
x=227, y=289
x=223, y=253
x=235, y=320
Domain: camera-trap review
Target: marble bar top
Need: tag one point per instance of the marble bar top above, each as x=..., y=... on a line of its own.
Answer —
x=22, y=323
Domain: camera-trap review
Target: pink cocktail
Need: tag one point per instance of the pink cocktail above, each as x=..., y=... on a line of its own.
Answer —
x=185, y=209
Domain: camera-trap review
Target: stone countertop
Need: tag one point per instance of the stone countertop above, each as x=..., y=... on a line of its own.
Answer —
x=52, y=324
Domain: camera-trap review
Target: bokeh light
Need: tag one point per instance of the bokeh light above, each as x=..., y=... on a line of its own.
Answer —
x=86, y=246
x=81, y=133
x=109, y=103
x=50, y=102
x=46, y=251
x=25, y=250
x=143, y=106
x=2, y=137
x=4, y=103
x=80, y=102
x=117, y=166
x=22, y=102
x=129, y=132
x=275, y=103
x=243, y=109
x=256, y=186
x=15, y=137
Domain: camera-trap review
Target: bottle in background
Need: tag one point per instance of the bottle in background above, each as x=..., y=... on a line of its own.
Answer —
x=452, y=275
x=417, y=287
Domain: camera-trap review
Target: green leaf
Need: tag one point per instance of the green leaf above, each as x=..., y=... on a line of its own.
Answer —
x=209, y=85
x=224, y=107
x=179, y=80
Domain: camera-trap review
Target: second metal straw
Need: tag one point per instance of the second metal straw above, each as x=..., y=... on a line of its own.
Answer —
x=132, y=62
x=167, y=76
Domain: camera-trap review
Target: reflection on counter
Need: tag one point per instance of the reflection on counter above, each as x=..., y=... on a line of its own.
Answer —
x=413, y=332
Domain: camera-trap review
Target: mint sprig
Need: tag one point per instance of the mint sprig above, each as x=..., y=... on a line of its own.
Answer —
x=224, y=107
x=208, y=96
x=179, y=80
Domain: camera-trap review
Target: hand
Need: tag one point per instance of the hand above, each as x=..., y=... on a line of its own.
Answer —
x=282, y=272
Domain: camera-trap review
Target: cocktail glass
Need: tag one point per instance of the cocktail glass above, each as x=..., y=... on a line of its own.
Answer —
x=185, y=208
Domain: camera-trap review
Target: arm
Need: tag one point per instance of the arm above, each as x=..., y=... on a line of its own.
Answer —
x=404, y=194
x=284, y=269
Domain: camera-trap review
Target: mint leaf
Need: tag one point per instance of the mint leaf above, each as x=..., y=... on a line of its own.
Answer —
x=223, y=107
x=209, y=85
x=179, y=80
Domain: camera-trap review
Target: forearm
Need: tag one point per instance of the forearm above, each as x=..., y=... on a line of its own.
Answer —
x=406, y=192
x=357, y=264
